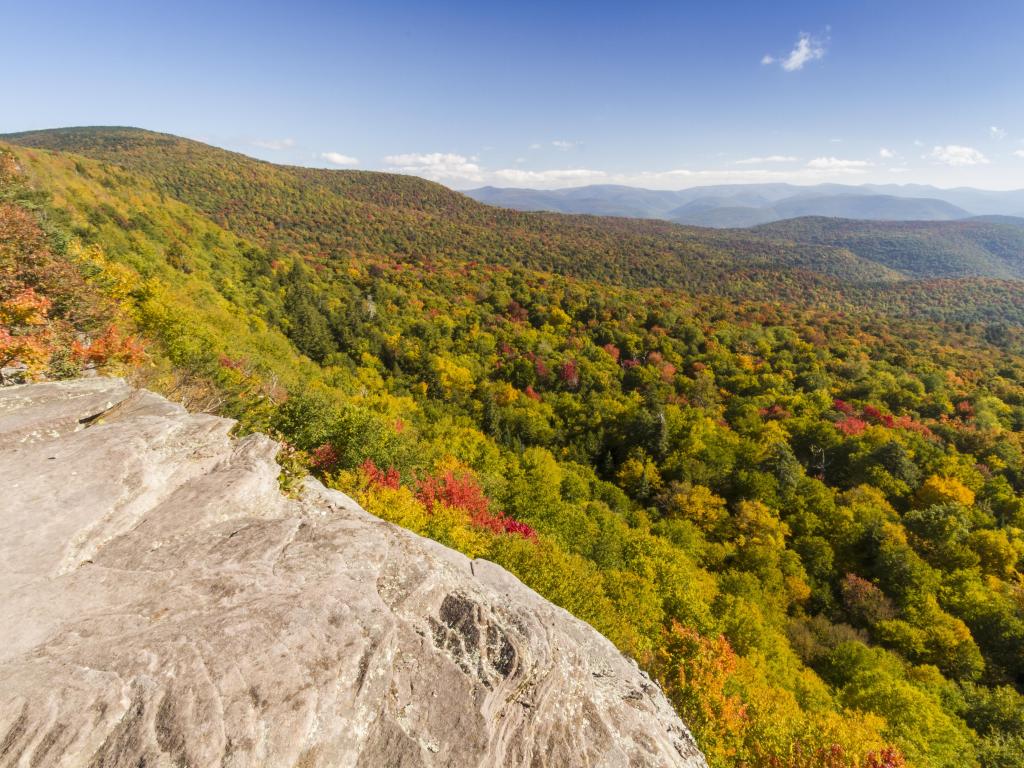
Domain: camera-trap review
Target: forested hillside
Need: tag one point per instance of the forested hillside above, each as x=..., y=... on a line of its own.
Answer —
x=985, y=246
x=326, y=213
x=785, y=478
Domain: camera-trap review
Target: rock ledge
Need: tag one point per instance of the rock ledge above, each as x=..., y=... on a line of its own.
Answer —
x=165, y=605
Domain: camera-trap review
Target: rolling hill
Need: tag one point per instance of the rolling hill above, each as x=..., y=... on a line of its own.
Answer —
x=329, y=212
x=984, y=246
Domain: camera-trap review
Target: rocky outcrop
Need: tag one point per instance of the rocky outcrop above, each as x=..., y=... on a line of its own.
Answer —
x=164, y=605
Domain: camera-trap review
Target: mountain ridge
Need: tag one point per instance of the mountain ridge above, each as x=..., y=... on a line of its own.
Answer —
x=740, y=205
x=331, y=211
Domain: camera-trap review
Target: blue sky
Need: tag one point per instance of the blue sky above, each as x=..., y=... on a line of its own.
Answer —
x=546, y=94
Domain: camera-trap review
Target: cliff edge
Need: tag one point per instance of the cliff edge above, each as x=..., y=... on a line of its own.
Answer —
x=165, y=605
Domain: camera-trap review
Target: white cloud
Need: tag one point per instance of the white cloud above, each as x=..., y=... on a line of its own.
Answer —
x=677, y=178
x=768, y=159
x=274, y=144
x=535, y=146
x=461, y=172
x=464, y=172
x=954, y=154
x=556, y=177
x=336, y=158
x=807, y=49
x=836, y=164
x=439, y=166
x=563, y=145
x=1019, y=153
x=886, y=154
x=996, y=132
x=681, y=177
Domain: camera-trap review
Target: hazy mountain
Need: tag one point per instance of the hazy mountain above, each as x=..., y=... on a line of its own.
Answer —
x=743, y=205
x=598, y=200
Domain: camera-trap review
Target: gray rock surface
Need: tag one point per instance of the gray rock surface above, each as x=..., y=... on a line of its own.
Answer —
x=164, y=605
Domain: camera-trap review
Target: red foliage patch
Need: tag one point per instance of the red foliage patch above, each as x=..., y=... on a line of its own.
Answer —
x=888, y=757
x=111, y=345
x=843, y=407
x=324, y=458
x=459, y=491
x=515, y=526
x=872, y=413
x=462, y=492
x=380, y=477
x=851, y=425
x=854, y=424
x=569, y=374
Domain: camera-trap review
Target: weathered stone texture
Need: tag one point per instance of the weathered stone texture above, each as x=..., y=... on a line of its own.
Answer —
x=164, y=605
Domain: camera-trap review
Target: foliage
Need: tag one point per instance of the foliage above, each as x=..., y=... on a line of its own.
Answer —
x=802, y=514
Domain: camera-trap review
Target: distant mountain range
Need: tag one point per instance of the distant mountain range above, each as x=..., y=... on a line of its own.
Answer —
x=746, y=205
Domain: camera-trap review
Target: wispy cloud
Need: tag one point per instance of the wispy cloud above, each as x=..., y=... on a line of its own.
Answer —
x=954, y=154
x=439, y=166
x=336, y=158
x=1019, y=152
x=563, y=145
x=274, y=144
x=837, y=164
x=768, y=159
x=996, y=132
x=807, y=48
x=886, y=154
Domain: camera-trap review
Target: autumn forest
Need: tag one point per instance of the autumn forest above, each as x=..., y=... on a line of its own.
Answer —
x=782, y=468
